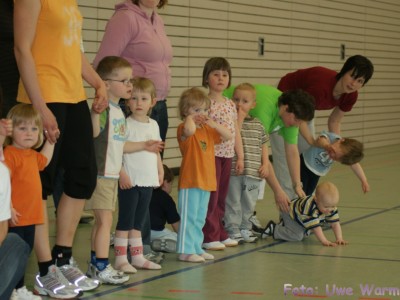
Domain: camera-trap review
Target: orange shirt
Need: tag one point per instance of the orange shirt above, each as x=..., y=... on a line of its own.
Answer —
x=198, y=159
x=26, y=187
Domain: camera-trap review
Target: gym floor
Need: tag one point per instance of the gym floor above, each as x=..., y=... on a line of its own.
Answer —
x=367, y=268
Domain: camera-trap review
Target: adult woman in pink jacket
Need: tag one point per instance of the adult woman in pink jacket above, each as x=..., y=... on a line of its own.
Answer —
x=136, y=32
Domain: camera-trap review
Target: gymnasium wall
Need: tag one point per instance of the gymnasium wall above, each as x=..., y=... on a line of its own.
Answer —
x=294, y=34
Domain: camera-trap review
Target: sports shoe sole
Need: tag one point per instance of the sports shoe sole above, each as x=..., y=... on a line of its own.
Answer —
x=165, y=245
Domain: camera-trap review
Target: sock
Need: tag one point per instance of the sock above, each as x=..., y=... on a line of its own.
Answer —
x=120, y=250
x=101, y=263
x=138, y=260
x=44, y=267
x=93, y=257
x=61, y=255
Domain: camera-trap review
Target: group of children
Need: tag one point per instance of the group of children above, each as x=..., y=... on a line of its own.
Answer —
x=224, y=160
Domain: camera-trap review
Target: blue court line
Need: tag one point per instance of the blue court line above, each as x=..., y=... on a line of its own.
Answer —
x=202, y=265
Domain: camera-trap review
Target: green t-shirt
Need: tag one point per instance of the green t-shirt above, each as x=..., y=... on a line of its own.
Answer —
x=267, y=111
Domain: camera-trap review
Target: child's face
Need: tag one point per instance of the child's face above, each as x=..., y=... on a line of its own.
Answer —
x=119, y=85
x=336, y=150
x=199, y=110
x=218, y=80
x=25, y=135
x=140, y=103
x=326, y=206
x=244, y=100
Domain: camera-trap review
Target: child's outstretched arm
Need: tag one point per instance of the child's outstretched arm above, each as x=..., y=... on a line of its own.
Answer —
x=95, y=116
x=322, y=238
x=337, y=230
x=47, y=150
x=150, y=145
x=358, y=170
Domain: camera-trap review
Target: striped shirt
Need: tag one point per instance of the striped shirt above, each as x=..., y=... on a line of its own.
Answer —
x=305, y=212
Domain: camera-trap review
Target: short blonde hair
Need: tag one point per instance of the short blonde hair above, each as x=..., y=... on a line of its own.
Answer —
x=22, y=113
x=327, y=193
x=190, y=98
x=245, y=86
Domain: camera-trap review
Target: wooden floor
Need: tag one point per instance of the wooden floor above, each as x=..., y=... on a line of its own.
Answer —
x=367, y=268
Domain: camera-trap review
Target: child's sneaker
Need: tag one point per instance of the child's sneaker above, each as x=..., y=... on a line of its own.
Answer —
x=269, y=230
x=237, y=237
x=165, y=245
x=256, y=226
x=55, y=285
x=248, y=236
x=108, y=276
x=23, y=294
x=76, y=277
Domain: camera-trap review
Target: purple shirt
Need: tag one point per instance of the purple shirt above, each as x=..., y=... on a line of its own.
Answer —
x=141, y=40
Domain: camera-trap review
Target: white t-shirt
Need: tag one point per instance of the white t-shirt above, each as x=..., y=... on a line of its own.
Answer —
x=142, y=166
x=5, y=193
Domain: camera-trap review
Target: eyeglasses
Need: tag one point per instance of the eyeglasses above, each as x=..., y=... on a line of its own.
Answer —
x=124, y=81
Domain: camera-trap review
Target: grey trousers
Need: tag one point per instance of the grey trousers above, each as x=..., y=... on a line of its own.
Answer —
x=240, y=203
x=291, y=230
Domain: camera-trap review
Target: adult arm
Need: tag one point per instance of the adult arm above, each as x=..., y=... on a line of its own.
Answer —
x=335, y=119
x=293, y=161
x=3, y=230
x=26, y=14
x=100, y=101
x=358, y=170
x=281, y=199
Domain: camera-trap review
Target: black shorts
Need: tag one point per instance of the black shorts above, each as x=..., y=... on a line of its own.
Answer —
x=73, y=152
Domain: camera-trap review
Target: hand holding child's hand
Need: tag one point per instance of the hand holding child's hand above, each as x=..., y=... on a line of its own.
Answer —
x=14, y=217
x=154, y=146
x=6, y=127
x=100, y=102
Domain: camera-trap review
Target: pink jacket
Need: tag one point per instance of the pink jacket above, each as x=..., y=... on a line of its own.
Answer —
x=132, y=35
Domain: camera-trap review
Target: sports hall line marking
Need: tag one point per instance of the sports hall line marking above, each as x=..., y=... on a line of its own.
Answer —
x=260, y=248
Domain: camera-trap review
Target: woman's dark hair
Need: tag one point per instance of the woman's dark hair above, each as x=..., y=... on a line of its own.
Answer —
x=300, y=103
x=161, y=4
x=361, y=66
x=215, y=64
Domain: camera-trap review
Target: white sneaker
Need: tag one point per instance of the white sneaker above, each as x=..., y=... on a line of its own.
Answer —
x=213, y=246
x=23, y=294
x=230, y=243
x=237, y=237
x=55, y=285
x=248, y=236
x=109, y=275
x=76, y=277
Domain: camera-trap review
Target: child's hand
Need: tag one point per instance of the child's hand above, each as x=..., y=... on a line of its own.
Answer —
x=239, y=166
x=365, y=187
x=328, y=244
x=154, y=146
x=14, y=217
x=263, y=171
x=6, y=127
x=341, y=242
x=124, y=181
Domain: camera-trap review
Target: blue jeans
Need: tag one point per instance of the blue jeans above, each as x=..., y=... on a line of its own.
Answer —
x=14, y=254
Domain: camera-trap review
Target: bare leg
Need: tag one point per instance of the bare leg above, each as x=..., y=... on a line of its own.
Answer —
x=42, y=242
x=102, y=236
x=68, y=214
